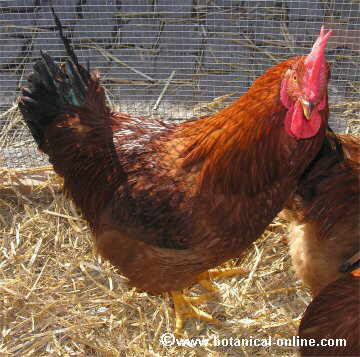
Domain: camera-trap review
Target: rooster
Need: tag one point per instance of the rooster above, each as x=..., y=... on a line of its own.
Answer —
x=166, y=202
x=334, y=314
x=324, y=213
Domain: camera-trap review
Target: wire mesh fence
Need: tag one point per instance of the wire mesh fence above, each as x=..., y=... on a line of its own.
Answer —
x=169, y=57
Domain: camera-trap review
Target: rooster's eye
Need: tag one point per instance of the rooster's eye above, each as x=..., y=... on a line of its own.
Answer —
x=294, y=78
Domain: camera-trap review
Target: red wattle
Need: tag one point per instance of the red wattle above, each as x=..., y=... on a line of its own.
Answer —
x=298, y=126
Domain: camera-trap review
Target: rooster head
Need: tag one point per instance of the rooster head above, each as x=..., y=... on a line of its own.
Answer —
x=304, y=90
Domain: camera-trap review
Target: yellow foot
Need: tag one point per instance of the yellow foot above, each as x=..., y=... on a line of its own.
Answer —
x=184, y=310
x=183, y=305
x=205, y=278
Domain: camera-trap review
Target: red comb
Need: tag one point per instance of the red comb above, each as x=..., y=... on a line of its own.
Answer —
x=321, y=41
x=315, y=61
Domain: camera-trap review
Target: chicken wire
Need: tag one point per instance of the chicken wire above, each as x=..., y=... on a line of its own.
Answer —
x=166, y=57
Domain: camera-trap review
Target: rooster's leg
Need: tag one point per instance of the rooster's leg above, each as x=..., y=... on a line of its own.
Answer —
x=184, y=305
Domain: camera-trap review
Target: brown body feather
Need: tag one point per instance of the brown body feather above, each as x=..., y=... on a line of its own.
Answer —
x=334, y=314
x=246, y=140
x=324, y=229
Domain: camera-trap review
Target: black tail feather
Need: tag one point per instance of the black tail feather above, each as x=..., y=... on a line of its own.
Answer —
x=77, y=80
x=52, y=87
x=84, y=73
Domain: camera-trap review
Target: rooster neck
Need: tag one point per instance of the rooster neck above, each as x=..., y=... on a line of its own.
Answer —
x=248, y=140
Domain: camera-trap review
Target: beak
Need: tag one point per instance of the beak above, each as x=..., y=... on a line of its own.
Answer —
x=308, y=108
